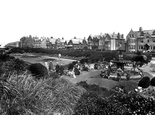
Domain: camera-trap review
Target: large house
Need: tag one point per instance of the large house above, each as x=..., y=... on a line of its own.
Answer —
x=142, y=40
x=75, y=43
x=101, y=42
x=107, y=42
x=114, y=41
x=60, y=43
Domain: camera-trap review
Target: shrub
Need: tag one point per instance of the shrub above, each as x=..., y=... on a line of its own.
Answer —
x=152, y=82
x=91, y=104
x=13, y=66
x=27, y=96
x=144, y=82
x=30, y=95
x=64, y=96
x=134, y=103
x=38, y=70
x=102, y=92
x=5, y=57
x=85, y=68
x=127, y=86
x=70, y=66
x=76, y=71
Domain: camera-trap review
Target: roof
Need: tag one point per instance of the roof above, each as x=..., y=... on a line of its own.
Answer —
x=113, y=35
x=77, y=40
x=150, y=32
x=52, y=40
x=12, y=43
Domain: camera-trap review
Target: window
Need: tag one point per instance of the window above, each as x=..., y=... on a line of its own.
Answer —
x=147, y=36
x=153, y=47
x=142, y=41
x=147, y=40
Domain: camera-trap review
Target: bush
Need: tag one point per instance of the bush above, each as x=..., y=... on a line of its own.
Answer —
x=5, y=57
x=63, y=96
x=144, y=82
x=152, y=82
x=134, y=103
x=127, y=86
x=12, y=66
x=70, y=66
x=100, y=91
x=85, y=68
x=76, y=71
x=91, y=104
x=25, y=96
x=38, y=70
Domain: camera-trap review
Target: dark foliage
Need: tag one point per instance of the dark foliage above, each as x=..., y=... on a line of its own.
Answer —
x=85, y=68
x=144, y=82
x=127, y=86
x=103, y=92
x=135, y=103
x=6, y=57
x=152, y=82
x=91, y=104
x=38, y=70
x=70, y=66
x=9, y=65
x=76, y=71
x=84, y=60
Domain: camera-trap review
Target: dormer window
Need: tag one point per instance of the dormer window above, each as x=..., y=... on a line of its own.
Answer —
x=147, y=40
x=142, y=33
x=147, y=36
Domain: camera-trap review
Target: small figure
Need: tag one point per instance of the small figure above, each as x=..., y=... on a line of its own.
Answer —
x=51, y=67
x=57, y=68
x=47, y=65
x=59, y=56
x=61, y=70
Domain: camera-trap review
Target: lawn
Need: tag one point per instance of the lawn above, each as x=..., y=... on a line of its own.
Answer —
x=92, y=77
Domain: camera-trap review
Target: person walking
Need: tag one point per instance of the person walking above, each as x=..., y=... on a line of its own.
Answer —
x=51, y=67
x=61, y=69
x=57, y=68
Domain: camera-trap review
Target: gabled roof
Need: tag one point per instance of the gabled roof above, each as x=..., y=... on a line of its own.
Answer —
x=52, y=40
x=76, y=40
x=84, y=41
x=113, y=35
x=141, y=34
x=90, y=38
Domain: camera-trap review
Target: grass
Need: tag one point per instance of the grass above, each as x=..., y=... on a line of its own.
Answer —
x=41, y=97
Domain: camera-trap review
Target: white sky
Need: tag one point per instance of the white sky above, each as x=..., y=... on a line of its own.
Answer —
x=69, y=18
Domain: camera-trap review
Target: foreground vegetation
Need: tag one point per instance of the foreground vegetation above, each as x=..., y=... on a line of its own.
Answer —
x=22, y=94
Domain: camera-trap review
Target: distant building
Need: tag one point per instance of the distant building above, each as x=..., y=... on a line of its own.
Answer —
x=114, y=41
x=90, y=42
x=75, y=43
x=142, y=40
x=26, y=42
x=102, y=42
x=60, y=43
x=12, y=44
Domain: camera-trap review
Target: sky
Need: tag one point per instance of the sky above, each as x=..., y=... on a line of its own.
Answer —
x=73, y=18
